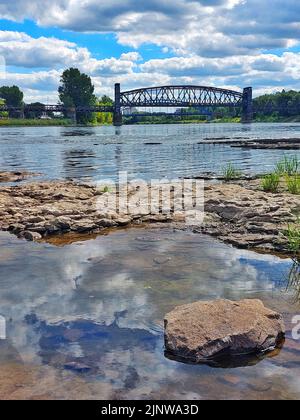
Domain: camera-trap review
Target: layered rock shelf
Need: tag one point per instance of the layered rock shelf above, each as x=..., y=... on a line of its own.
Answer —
x=238, y=213
x=246, y=217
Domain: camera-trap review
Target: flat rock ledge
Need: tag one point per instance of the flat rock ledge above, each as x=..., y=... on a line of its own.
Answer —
x=239, y=214
x=203, y=331
x=247, y=143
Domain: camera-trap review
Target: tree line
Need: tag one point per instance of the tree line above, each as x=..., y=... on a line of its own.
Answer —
x=280, y=105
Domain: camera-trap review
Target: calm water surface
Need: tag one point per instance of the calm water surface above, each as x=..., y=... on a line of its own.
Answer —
x=85, y=320
x=148, y=151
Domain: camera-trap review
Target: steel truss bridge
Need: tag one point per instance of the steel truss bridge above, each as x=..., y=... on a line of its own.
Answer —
x=180, y=96
x=200, y=97
x=183, y=96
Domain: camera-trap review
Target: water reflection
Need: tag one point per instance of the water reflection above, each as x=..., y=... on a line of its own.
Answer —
x=92, y=312
x=83, y=160
x=294, y=280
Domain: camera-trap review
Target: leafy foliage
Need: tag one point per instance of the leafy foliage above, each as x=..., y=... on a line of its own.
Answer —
x=105, y=117
x=12, y=95
x=77, y=90
x=286, y=103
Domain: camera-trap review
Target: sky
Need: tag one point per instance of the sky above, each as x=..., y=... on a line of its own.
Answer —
x=143, y=43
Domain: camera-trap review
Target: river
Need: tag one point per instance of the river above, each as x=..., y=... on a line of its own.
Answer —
x=84, y=316
x=144, y=151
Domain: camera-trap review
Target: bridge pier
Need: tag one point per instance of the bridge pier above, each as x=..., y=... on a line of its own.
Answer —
x=247, y=105
x=71, y=114
x=118, y=120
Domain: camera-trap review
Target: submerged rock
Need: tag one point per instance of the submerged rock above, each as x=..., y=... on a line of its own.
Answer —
x=203, y=331
x=14, y=176
x=31, y=236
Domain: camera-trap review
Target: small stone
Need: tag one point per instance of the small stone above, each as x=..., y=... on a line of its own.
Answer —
x=32, y=236
x=16, y=228
x=161, y=260
x=123, y=221
x=106, y=223
x=77, y=367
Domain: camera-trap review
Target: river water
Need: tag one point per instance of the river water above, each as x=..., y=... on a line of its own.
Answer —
x=84, y=315
x=146, y=151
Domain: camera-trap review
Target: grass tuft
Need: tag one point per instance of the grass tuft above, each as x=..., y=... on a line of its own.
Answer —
x=293, y=236
x=270, y=183
x=230, y=172
x=288, y=166
x=293, y=183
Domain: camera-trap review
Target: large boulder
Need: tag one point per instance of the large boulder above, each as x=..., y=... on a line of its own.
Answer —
x=202, y=331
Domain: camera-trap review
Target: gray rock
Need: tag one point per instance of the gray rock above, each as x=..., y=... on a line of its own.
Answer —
x=202, y=331
x=31, y=236
x=124, y=221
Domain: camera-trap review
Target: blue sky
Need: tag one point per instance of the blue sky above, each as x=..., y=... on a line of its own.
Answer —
x=224, y=43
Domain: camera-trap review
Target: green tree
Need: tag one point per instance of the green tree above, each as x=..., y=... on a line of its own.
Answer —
x=3, y=114
x=12, y=95
x=106, y=101
x=280, y=105
x=77, y=90
x=105, y=117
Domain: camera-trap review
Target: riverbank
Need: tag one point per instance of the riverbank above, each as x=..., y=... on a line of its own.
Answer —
x=68, y=123
x=236, y=213
x=15, y=122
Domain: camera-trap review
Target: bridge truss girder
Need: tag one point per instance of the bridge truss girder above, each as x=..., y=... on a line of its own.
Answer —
x=180, y=96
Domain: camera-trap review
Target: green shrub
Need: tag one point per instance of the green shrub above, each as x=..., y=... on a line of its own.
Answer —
x=288, y=166
x=105, y=189
x=293, y=236
x=270, y=183
x=230, y=172
x=293, y=184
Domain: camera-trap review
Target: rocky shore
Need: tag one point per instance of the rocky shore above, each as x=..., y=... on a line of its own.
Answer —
x=246, y=217
x=238, y=213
